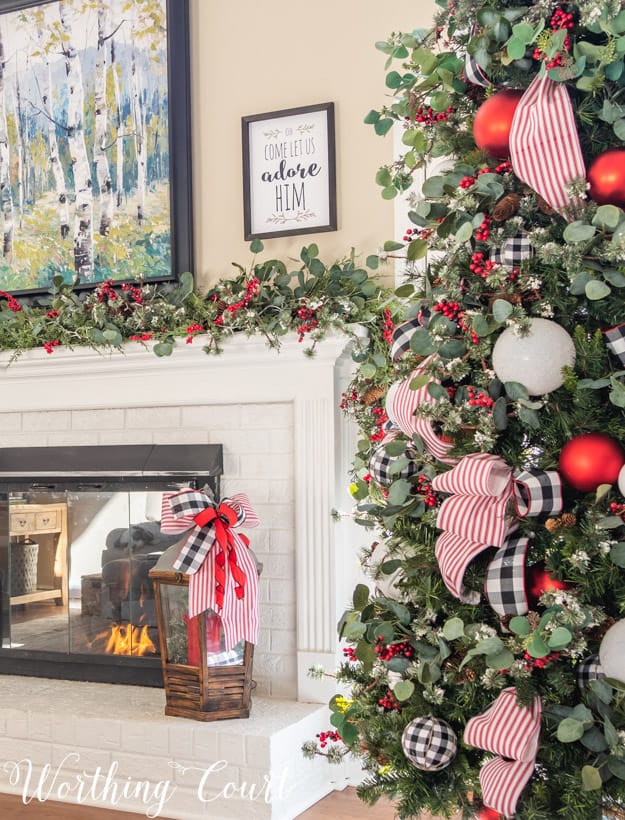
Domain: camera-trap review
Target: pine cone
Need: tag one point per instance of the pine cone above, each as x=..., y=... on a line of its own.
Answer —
x=553, y=524
x=598, y=632
x=568, y=520
x=534, y=619
x=544, y=207
x=372, y=395
x=466, y=676
x=507, y=206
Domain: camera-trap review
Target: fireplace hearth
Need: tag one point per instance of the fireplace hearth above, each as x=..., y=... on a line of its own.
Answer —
x=79, y=533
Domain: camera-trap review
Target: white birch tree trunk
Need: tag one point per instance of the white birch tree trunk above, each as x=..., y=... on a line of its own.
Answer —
x=53, y=145
x=6, y=198
x=138, y=117
x=19, y=149
x=101, y=122
x=119, y=143
x=83, y=186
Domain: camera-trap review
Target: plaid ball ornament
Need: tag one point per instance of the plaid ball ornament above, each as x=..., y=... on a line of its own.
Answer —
x=381, y=463
x=429, y=744
x=588, y=671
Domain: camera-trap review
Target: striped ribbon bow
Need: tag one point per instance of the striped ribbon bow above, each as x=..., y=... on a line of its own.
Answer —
x=222, y=570
x=478, y=514
x=544, y=144
x=512, y=733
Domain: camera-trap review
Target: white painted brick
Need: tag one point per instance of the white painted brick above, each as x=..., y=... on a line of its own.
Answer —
x=179, y=734
x=39, y=752
x=278, y=566
x=282, y=592
x=231, y=747
x=73, y=759
x=17, y=726
x=125, y=437
x=263, y=591
x=269, y=416
x=50, y=420
x=141, y=418
x=63, y=730
x=203, y=744
x=10, y=422
x=105, y=733
x=281, y=491
x=140, y=737
x=180, y=437
x=24, y=440
x=273, y=465
x=281, y=441
x=256, y=490
x=282, y=541
x=212, y=417
x=40, y=727
x=280, y=616
x=97, y=419
x=231, y=465
x=144, y=766
x=276, y=516
x=71, y=438
x=264, y=640
x=284, y=687
x=283, y=641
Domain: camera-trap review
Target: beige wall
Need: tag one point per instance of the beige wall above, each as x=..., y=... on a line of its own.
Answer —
x=249, y=57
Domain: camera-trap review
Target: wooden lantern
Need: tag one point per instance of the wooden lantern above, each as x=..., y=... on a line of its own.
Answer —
x=202, y=681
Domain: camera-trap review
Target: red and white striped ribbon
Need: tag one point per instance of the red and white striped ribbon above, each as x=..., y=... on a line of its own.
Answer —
x=508, y=731
x=401, y=403
x=544, y=144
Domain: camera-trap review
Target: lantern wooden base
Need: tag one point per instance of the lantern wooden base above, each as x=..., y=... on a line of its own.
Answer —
x=225, y=691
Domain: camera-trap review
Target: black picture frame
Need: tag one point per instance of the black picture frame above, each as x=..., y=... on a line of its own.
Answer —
x=283, y=154
x=178, y=163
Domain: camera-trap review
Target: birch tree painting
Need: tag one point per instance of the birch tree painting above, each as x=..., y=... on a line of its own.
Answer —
x=84, y=146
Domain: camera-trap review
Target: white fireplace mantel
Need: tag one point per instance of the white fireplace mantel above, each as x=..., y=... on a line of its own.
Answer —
x=247, y=371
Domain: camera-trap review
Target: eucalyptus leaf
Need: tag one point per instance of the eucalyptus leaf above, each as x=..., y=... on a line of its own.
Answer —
x=395, y=447
x=520, y=626
x=594, y=739
x=516, y=390
x=578, y=231
x=464, y=233
x=616, y=766
x=500, y=660
x=453, y=629
x=596, y=289
x=398, y=664
x=399, y=491
x=403, y=690
x=617, y=554
x=591, y=779
x=500, y=414
x=360, y=598
x=421, y=342
x=163, y=349
x=570, y=730
x=559, y=638
x=607, y=217
x=537, y=647
x=501, y=310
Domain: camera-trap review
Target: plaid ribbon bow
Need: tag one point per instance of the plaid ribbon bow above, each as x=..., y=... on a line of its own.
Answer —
x=477, y=516
x=512, y=733
x=615, y=340
x=513, y=251
x=222, y=570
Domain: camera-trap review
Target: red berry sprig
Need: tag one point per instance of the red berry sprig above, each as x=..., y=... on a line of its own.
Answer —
x=386, y=651
x=480, y=399
x=389, y=327
x=310, y=321
x=560, y=19
x=326, y=737
x=347, y=399
x=539, y=663
x=350, y=653
x=618, y=509
x=481, y=266
x=389, y=702
x=424, y=488
x=450, y=310
x=483, y=232
x=427, y=116
x=380, y=420
x=504, y=167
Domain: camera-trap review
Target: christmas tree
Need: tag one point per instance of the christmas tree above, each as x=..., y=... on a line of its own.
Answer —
x=486, y=671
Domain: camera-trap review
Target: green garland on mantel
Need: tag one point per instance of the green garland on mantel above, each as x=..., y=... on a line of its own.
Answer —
x=268, y=299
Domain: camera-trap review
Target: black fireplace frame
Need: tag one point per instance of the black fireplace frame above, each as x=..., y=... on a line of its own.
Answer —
x=102, y=467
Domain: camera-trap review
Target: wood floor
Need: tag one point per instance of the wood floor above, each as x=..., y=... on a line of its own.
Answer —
x=337, y=806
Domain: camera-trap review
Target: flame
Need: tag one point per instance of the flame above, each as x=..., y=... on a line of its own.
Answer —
x=127, y=640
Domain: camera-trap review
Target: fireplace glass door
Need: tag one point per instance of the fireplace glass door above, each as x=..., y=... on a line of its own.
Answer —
x=74, y=582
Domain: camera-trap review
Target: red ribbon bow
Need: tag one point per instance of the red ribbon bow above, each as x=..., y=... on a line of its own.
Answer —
x=222, y=519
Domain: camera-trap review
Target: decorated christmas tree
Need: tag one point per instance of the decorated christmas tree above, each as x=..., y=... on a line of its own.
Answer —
x=485, y=672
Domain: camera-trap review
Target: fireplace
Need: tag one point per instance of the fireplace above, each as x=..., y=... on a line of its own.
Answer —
x=79, y=533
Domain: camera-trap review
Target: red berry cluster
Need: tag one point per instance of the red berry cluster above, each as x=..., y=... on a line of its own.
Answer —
x=504, y=167
x=427, y=116
x=192, y=330
x=618, y=509
x=350, y=653
x=389, y=702
x=309, y=321
x=480, y=399
x=450, y=310
x=424, y=488
x=252, y=289
x=413, y=233
x=482, y=233
x=141, y=337
x=346, y=400
x=481, y=266
x=106, y=291
x=324, y=737
x=389, y=327
x=52, y=314
x=49, y=346
x=560, y=19
x=468, y=329
x=392, y=650
x=134, y=293
x=380, y=420
x=539, y=663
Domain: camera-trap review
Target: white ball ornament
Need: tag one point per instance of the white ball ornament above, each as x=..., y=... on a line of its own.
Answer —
x=621, y=481
x=536, y=359
x=612, y=652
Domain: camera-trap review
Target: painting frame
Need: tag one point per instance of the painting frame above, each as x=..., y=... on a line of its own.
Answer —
x=261, y=132
x=180, y=187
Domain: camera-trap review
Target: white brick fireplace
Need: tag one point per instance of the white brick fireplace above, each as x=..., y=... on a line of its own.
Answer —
x=288, y=447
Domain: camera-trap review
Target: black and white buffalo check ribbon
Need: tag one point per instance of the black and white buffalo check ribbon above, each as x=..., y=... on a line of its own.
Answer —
x=615, y=340
x=474, y=72
x=505, y=578
x=512, y=251
x=403, y=333
x=589, y=671
x=222, y=571
x=429, y=743
x=381, y=463
x=478, y=515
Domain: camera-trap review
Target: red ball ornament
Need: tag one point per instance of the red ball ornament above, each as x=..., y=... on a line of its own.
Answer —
x=489, y=814
x=493, y=121
x=591, y=459
x=606, y=176
x=538, y=580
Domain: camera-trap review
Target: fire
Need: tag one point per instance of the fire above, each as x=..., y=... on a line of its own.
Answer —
x=128, y=640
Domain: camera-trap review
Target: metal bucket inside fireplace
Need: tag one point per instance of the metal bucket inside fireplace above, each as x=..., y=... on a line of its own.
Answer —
x=24, y=554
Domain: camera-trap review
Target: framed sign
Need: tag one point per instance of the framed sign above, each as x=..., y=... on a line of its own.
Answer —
x=289, y=172
x=95, y=160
